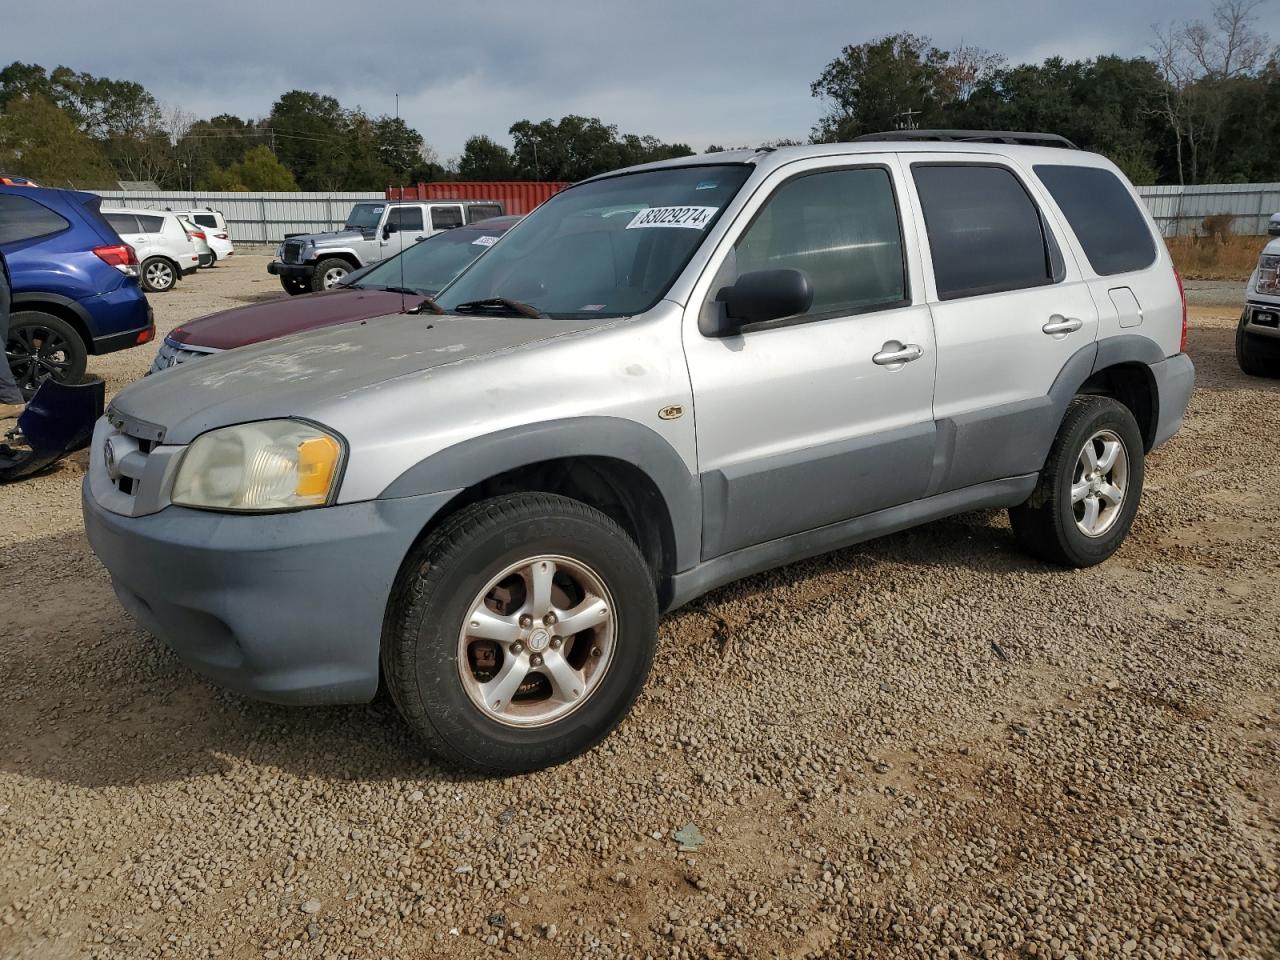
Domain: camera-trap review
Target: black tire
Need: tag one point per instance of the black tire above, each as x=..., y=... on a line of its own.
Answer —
x=1256, y=358
x=329, y=266
x=1046, y=525
x=432, y=598
x=295, y=285
x=41, y=346
x=213, y=259
x=158, y=275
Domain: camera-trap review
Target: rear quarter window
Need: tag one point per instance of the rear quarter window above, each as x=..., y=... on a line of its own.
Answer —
x=1103, y=216
x=22, y=218
x=151, y=224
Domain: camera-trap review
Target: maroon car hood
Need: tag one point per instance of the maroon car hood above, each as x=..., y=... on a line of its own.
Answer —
x=279, y=318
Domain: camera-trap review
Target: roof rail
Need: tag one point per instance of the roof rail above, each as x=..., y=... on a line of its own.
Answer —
x=973, y=136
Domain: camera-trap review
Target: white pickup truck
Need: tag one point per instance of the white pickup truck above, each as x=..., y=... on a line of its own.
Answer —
x=373, y=231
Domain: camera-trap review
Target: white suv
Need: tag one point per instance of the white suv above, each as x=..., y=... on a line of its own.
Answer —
x=663, y=379
x=214, y=225
x=165, y=252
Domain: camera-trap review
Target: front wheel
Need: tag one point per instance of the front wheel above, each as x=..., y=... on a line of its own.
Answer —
x=1089, y=489
x=520, y=633
x=329, y=274
x=43, y=347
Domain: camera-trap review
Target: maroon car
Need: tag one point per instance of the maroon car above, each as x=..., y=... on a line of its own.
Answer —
x=390, y=286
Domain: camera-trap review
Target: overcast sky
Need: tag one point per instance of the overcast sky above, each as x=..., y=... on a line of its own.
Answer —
x=694, y=71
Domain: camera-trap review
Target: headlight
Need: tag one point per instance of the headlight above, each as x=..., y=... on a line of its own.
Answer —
x=1268, y=268
x=271, y=465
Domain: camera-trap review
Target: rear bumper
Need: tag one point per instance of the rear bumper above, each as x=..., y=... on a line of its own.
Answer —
x=297, y=271
x=127, y=338
x=282, y=607
x=1175, y=380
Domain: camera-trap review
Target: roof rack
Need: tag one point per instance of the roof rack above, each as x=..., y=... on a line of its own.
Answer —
x=974, y=136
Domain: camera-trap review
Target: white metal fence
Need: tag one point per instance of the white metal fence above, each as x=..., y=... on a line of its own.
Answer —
x=252, y=217
x=267, y=217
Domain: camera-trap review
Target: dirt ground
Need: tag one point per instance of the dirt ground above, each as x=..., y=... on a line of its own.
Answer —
x=927, y=746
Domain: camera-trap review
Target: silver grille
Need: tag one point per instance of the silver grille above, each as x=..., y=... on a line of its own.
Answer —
x=130, y=469
x=173, y=354
x=292, y=252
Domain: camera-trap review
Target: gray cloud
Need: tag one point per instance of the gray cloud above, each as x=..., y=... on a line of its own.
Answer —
x=698, y=71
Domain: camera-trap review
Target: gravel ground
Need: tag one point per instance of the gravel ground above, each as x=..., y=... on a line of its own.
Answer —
x=1216, y=293
x=928, y=746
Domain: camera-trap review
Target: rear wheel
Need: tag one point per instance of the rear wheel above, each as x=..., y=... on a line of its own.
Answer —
x=1256, y=356
x=1089, y=489
x=295, y=285
x=158, y=275
x=41, y=347
x=520, y=633
x=329, y=273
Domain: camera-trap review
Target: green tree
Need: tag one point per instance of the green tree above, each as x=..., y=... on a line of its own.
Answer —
x=309, y=130
x=259, y=170
x=40, y=141
x=895, y=81
x=576, y=147
x=482, y=159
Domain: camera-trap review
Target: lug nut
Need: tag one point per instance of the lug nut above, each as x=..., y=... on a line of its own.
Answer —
x=595, y=651
x=549, y=619
x=536, y=660
x=517, y=647
x=555, y=643
x=526, y=621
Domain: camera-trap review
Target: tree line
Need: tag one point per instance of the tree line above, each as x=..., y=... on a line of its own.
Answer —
x=1202, y=107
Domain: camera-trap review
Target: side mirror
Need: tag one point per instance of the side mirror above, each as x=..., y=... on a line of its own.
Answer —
x=761, y=296
x=388, y=230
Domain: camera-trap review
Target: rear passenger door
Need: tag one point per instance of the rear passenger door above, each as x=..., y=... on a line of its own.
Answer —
x=1010, y=309
x=810, y=420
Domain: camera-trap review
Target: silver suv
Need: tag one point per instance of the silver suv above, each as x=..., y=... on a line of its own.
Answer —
x=662, y=380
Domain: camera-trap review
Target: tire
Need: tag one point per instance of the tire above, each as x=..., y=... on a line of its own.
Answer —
x=436, y=595
x=1050, y=524
x=158, y=275
x=41, y=346
x=328, y=273
x=295, y=285
x=213, y=259
x=1251, y=355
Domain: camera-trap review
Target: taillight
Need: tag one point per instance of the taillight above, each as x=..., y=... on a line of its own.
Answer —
x=121, y=256
x=146, y=336
x=199, y=234
x=1182, y=295
x=222, y=236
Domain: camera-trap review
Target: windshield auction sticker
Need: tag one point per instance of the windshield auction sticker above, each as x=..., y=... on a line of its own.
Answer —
x=693, y=217
x=484, y=241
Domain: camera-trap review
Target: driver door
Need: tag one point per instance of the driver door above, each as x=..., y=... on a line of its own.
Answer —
x=807, y=421
x=406, y=228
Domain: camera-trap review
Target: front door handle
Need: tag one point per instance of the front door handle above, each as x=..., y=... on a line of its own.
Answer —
x=1059, y=326
x=895, y=354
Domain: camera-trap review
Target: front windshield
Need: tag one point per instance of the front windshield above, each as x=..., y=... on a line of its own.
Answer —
x=610, y=247
x=427, y=266
x=365, y=216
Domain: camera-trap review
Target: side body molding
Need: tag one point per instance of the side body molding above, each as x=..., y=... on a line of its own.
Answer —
x=468, y=463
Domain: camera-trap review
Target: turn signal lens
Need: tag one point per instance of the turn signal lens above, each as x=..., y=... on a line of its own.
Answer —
x=317, y=462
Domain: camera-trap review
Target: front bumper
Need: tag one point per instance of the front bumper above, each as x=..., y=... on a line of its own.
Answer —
x=1175, y=379
x=1262, y=320
x=284, y=607
x=299, y=271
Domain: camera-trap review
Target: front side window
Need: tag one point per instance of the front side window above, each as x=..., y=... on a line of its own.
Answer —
x=22, y=218
x=841, y=229
x=609, y=247
x=446, y=218
x=985, y=231
x=405, y=218
x=1101, y=211
x=123, y=223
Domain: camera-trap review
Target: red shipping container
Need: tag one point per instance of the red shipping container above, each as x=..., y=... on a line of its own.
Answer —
x=516, y=196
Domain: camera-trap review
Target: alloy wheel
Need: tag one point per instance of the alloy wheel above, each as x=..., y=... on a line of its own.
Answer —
x=35, y=354
x=1099, y=483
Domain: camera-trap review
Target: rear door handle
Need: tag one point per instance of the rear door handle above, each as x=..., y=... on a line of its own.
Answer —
x=1059, y=326
x=895, y=354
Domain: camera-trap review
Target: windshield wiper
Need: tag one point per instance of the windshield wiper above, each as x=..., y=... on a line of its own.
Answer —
x=498, y=304
x=428, y=304
x=404, y=290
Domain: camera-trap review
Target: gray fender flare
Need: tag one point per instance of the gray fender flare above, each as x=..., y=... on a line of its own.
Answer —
x=472, y=461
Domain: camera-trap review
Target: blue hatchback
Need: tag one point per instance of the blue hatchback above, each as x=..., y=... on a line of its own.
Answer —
x=75, y=284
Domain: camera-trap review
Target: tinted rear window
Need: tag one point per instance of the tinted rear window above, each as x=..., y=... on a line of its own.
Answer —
x=985, y=232
x=479, y=212
x=122, y=222
x=22, y=218
x=151, y=224
x=1102, y=213
x=206, y=219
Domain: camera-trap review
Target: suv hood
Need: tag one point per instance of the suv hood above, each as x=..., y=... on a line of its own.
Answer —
x=240, y=326
x=331, y=238
x=294, y=376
